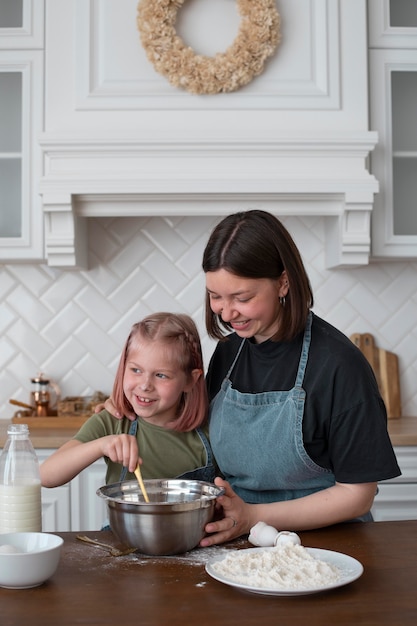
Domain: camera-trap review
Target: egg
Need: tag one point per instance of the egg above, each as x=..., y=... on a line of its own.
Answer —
x=286, y=537
x=263, y=535
x=8, y=549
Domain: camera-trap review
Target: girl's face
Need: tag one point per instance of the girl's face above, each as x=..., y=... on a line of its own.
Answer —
x=249, y=305
x=153, y=382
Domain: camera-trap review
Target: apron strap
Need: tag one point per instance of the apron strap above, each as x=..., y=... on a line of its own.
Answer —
x=207, y=446
x=304, y=352
x=236, y=358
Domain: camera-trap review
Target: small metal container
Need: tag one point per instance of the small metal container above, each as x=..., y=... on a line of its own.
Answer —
x=173, y=520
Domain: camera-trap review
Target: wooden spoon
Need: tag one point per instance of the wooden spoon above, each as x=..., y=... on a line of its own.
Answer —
x=112, y=550
x=22, y=404
x=140, y=481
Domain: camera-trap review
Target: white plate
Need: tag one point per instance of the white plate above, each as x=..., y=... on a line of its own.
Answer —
x=350, y=569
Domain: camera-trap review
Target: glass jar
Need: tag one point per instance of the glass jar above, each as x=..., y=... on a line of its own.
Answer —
x=20, y=483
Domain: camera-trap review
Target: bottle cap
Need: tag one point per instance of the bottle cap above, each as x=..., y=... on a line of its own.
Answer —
x=18, y=429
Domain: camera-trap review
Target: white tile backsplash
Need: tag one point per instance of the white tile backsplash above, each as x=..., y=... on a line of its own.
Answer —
x=72, y=324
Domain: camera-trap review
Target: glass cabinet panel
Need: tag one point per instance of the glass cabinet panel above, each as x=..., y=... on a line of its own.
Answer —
x=10, y=154
x=404, y=151
x=403, y=13
x=10, y=112
x=11, y=13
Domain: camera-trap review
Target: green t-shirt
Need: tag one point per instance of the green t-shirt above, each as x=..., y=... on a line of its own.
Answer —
x=165, y=453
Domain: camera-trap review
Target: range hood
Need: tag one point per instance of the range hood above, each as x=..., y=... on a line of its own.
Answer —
x=119, y=140
x=126, y=175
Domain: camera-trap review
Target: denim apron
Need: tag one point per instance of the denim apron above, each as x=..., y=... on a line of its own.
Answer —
x=257, y=439
x=206, y=473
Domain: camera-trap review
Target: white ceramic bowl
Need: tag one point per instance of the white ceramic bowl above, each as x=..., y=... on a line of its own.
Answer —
x=28, y=559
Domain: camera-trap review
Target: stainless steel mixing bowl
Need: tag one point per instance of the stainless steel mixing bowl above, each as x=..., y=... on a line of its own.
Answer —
x=171, y=523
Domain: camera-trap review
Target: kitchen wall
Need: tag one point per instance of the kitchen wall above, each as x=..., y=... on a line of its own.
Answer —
x=297, y=136
x=71, y=325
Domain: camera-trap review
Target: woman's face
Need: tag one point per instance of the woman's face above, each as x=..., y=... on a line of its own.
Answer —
x=249, y=305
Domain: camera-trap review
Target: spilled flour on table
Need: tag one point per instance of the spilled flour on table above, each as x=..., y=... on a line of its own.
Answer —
x=95, y=556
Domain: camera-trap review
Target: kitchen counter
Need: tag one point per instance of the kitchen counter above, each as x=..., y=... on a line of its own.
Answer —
x=45, y=436
x=403, y=432
x=91, y=587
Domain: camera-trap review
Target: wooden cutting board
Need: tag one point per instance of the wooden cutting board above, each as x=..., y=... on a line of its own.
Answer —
x=385, y=366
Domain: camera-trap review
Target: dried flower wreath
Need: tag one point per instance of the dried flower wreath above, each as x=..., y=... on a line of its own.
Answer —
x=256, y=40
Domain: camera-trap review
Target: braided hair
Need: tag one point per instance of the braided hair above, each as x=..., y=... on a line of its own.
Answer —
x=179, y=332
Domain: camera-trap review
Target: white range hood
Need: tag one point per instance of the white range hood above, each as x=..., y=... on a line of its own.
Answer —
x=308, y=175
x=119, y=140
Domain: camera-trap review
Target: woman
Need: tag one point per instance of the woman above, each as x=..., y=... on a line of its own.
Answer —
x=297, y=424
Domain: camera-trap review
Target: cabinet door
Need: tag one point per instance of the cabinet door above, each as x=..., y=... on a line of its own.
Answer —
x=88, y=511
x=21, y=24
x=21, y=119
x=395, y=502
x=56, y=515
x=393, y=113
x=393, y=75
x=397, y=498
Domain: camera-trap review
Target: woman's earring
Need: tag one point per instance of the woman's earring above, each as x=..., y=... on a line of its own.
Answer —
x=282, y=300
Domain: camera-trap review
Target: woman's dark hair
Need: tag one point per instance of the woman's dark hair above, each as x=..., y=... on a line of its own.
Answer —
x=255, y=244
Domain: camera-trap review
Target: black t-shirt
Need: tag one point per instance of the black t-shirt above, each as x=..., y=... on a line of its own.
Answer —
x=345, y=421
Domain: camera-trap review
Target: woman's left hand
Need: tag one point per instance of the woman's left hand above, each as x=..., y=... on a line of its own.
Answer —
x=109, y=406
x=235, y=520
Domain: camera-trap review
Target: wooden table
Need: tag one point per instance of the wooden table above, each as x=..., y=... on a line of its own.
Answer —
x=91, y=587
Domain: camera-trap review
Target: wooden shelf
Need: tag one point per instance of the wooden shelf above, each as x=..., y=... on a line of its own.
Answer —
x=52, y=423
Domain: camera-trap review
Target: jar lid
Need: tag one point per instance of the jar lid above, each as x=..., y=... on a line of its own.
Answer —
x=40, y=380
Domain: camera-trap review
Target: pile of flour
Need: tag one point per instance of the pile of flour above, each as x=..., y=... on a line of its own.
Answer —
x=284, y=567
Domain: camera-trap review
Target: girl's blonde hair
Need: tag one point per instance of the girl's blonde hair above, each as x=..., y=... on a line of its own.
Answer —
x=179, y=332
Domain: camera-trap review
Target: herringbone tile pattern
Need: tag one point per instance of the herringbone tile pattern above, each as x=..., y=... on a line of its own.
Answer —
x=72, y=325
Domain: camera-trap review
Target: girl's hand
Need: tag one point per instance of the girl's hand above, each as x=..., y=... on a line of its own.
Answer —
x=121, y=449
x=109, y=406
x=235, y=521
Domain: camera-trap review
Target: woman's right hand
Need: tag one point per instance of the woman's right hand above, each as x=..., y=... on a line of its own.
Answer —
x=109, y=406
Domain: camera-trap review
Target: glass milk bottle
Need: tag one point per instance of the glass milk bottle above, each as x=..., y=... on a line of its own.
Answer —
x=20, y=483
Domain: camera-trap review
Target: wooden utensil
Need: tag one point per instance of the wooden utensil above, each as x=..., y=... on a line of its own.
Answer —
x=22, y=404
x=385, y=367
x=111, y=549
x=140, y=481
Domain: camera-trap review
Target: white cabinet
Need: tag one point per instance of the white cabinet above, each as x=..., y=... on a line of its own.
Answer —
x=74, y=506
x=397, y=498
x=88, y=511
x=393, y=113
x=56, y=509
x=21, y=122
x=395, y=502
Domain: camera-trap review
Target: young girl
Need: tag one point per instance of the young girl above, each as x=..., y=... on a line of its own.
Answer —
x=159, y=379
